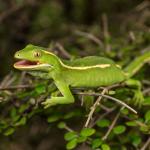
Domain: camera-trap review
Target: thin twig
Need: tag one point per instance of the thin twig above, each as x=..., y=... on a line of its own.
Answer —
x=9, y=12
x=93, y=108
x=16, y=87
x=146, y=91
x=23, y=74
x=113, y=86
x=105, y=108
x=142, y=5
x=111, y=98
x=63, y=51
x=146, y=144
x=141, y=124
x=132, y=36
x=147, y=82
x=111, y=126
x=4, y=15
x=68, y=128
x=90, y=36
x=6, y=79
x=106, y=32
x=102, y=116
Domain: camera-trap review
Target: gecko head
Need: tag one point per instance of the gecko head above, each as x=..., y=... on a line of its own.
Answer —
x=34, y=58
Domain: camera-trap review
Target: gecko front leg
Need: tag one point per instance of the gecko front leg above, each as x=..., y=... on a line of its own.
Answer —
x=65, y=99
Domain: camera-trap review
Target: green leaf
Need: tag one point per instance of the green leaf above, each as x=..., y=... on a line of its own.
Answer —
x=87, y=132
x=88, y=101
x=96, y=143
x=69, y=115
x=111, y=92
x=72, y=144
x=23, y=107
x=82, y=139
x=16, y=118
x=9, y=131
x=131, y=123
x=61, y=125
x=53, y=118
x=74, y=113
x=147, y=116
x=119, y=129
x=136, y=141
x=105, y=147
x=146, y=101
x=13, y=112
x=70, y=135
x=3, y=124
x=22, y=121
x=103, y=123
x=144, y=128
x=124, y=111
x=40, y=88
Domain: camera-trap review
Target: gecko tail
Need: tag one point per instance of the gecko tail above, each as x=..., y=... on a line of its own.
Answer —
x=137, y=64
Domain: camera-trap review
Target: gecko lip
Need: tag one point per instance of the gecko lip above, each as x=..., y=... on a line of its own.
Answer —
x=26, y=64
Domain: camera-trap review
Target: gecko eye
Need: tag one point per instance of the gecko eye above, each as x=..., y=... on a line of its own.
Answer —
x=37, y=54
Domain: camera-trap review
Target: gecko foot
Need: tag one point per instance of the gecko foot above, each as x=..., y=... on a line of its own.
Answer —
x=138, y=98
x=48, y=103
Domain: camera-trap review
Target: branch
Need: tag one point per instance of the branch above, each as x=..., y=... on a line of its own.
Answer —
x=9, y=12
x=106, y=32
x=14, y=9
x=62, y=50
x=111, y=126
x=93, y=108
x=146, y=144
x=16, y=87
x=111, y=98
x=90, y=36
x=102, y=116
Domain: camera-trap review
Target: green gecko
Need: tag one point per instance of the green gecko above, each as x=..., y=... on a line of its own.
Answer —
x=90, y=71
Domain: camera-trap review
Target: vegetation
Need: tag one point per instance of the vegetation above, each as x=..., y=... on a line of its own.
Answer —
x=73, y=29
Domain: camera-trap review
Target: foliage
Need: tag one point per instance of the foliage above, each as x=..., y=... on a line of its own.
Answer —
x=112, y=127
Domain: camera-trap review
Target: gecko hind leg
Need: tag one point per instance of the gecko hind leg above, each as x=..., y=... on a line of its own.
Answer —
x=138, y=97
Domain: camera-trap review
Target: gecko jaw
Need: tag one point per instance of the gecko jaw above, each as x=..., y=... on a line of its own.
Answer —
x=26, y=64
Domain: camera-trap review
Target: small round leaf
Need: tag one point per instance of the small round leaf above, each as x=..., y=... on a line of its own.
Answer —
x=119, y=129
x=131, y=123
x=72, y=144
x=22, y=121
x=53, y=118
x=147, y=116
x=9, y=131
x=82, y=139
x=61, y=125
x=136, y=141
x=70, y=135
x=105, y=147
x=103, y=123
x=96, y=143
x=87, y=132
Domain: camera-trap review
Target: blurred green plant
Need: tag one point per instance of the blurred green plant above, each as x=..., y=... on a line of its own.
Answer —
x=83, y=29
x=109, y=128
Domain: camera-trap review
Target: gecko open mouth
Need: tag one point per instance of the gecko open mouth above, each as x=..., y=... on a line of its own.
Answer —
x=30, y=65
x=26, y=63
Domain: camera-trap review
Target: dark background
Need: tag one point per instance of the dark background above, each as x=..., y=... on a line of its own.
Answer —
x=115, y=28
x=42, y=21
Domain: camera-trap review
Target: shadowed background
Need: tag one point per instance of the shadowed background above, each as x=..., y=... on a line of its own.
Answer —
x=76, y=27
